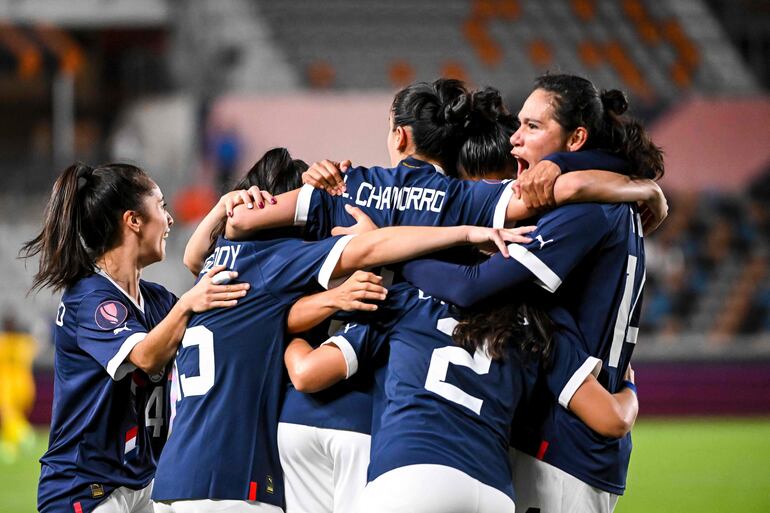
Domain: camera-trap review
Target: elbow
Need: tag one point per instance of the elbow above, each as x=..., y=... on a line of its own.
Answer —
x=617, y=426
x=192, y=264
x=302, y=379
x=147, y=364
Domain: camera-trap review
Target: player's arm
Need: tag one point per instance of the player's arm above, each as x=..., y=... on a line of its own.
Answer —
x=611, y=415
x=577, y=229
x=156, y=349
x=245, y=221
x=397, y=243
x=353, y=294
x=311, y=370
x=197, y=248
x=592, y=186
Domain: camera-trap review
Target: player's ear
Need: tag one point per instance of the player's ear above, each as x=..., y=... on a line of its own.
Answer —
x=577, y=138
x=132, y=220
x=402, y=138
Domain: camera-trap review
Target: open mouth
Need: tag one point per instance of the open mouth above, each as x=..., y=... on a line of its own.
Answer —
x=523, y=165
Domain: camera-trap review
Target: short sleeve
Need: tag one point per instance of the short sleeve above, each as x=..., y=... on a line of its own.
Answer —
x=478, y=203
x=562, y=239
x=316, y=211
x=296, y=264
x=358, y=342
x=108, y=330
x=570, y=363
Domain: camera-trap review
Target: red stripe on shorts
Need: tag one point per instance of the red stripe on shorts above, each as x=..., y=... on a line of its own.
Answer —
x=541, y=451
x=253, y=491
x=77, y=507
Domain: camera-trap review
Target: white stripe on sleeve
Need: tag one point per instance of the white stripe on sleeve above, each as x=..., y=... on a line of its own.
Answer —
x=590, y=366
x=351, y=360
x=303, y=205
x=118, y=367
x=498, y=221
x=325, y=274
x=547, y=279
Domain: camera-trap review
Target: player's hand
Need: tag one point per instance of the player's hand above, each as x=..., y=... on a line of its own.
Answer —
x=206, y=295
x=360, y=287
x=327, y=175
x=363, y=223
x=654, y=210
x=535, y=185
x=629, y=375
x=249, y=197
x=490, y=238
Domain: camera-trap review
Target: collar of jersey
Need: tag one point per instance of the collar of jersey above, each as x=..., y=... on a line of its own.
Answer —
x=414, y=163
x=139, y=305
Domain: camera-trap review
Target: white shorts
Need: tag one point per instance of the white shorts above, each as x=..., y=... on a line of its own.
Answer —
x=324, y=470
x=431, y=489
x=126, y=500
x=215, y=506
x=539, y=485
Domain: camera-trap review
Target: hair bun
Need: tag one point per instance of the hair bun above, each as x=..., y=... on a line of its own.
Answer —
x=455, y=100
x=488, y=104
x=83, y=172
x=614, y=101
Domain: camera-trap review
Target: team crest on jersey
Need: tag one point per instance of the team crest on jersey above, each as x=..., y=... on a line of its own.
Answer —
x=110, y=314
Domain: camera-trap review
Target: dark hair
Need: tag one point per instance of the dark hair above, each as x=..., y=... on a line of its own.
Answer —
x=579, y=103
x=488, y=146
x=83, y=219
x=439, y=115
x=498, y=323
x=275, y=172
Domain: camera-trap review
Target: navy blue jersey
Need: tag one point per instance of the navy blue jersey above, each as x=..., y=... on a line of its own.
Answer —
x=439, y=404
x=109, y=419
x=223, y=442
x=591, y=257
x=346, y=406
x=414, y=193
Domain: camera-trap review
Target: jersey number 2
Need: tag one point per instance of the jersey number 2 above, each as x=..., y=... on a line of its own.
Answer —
x=435, y=381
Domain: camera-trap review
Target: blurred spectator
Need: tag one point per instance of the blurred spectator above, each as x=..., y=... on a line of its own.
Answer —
x=17, y=389
x=225, y=151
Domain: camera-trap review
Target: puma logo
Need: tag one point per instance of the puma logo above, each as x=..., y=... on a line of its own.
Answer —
x=542, y=242
x=122, y=328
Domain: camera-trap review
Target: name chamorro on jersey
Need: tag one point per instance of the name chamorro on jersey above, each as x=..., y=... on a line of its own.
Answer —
x=413, y=193
x=399, y=198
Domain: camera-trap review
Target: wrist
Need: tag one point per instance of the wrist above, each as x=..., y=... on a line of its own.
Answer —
x=631, y=386
x=185, y=304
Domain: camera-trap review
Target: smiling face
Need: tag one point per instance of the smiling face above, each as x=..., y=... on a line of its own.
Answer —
x=156, y=225
x=539, y=133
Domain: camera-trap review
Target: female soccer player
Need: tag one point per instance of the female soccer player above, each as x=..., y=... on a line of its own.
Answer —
x=443, y=414
x=114, y=335
x=591, y=257
x=222, y=451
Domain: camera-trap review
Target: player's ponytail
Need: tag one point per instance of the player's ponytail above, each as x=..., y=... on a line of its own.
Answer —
x=578, y=103
x=438, y=114
x=82, y=220
x=275, y=172
x=488, y=147
x=498, y=324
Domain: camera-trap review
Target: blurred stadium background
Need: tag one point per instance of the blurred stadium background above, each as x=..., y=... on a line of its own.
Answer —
x=190, y=89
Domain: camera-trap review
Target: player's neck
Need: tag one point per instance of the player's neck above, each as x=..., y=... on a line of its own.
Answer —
x=418, y=156
x=120, y=265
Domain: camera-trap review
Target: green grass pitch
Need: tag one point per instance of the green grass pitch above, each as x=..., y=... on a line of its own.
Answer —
x=678, y=466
